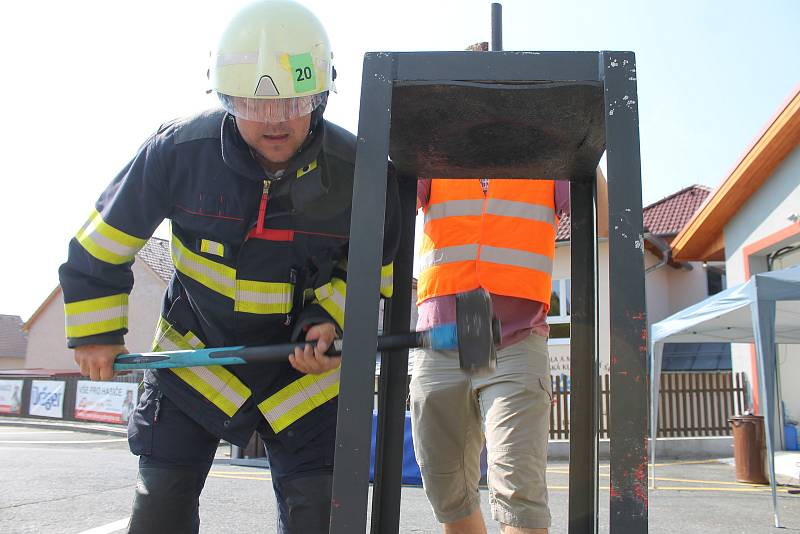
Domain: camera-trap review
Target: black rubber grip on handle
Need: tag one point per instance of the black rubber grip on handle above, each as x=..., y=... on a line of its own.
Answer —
x=280, y=352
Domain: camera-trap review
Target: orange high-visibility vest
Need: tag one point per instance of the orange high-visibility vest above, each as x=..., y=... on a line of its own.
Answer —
x=503, y=241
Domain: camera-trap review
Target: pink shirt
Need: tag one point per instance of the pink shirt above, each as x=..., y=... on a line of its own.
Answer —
x=518, y=317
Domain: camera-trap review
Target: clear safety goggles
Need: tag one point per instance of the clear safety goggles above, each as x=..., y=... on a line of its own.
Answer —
x=270, y=109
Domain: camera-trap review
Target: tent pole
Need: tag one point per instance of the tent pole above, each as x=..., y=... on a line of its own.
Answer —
x=763, y=313
x=656, y=349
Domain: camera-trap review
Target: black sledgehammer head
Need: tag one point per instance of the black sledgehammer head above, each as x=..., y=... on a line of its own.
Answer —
x=478, y=331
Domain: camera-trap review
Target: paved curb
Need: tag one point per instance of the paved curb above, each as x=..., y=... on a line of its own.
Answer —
x=96, y=428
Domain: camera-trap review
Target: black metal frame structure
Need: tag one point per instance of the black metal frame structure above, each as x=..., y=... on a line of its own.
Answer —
x=512, y=115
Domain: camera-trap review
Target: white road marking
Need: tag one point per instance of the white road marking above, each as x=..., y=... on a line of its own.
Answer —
x=4, y=433
x=109, y=528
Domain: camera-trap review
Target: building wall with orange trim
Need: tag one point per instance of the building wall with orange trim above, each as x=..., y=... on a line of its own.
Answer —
x=761, y=226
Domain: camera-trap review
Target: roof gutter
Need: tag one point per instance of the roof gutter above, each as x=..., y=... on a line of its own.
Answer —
x=666, y=253
x=663, y=248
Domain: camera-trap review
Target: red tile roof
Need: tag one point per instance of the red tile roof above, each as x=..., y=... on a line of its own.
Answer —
x=664, y=218
x=669, y=215
x=156, y=254
x=563, y=229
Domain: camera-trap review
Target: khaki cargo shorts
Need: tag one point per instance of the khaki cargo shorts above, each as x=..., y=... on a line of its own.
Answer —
x=451, y=413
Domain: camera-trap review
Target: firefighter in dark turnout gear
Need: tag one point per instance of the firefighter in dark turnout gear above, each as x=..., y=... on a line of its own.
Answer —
x=258, y=195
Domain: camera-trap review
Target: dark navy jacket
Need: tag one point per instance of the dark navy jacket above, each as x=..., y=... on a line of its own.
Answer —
x=234, y=284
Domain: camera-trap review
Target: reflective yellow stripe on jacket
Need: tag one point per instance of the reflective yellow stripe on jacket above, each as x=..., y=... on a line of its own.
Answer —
x=387, y=280
x=298, y=398
x=250, y=296
x=213, y=275
x=331, y=296
x=263, y=297
x=217, y=384
x=107, y=243
x=212, y=247
x=96, y=316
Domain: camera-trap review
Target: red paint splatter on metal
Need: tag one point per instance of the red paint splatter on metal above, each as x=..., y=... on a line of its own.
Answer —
x=641, y=473
x=640, y=492
x=640, y=489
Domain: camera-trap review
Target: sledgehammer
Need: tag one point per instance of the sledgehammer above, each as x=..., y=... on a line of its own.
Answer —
x=474, y=334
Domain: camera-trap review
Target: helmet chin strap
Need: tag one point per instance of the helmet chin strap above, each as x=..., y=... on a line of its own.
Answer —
x=316, y=119
x=316, y=115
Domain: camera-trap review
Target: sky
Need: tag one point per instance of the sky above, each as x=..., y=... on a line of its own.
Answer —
x=86, y=82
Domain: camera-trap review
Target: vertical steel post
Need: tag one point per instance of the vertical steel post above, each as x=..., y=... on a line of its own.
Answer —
x=583, y=388
x=497, y=27
x=393, y=383
x=629, y=398
x=356, y=390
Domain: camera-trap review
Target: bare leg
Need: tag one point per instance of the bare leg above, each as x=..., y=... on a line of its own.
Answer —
x=507, y=529
x=472, y=524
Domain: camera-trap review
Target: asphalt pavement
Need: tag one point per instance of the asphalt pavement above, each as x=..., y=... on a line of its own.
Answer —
x=62, y=479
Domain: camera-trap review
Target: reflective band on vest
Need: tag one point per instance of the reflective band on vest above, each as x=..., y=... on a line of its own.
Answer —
x=298, y=398
x=454, y=208
x=96, y=316
x=503, y=241
x=217, y=384
x=107, y=243
x=444, y=255
x=521, y=210
x=518, y=258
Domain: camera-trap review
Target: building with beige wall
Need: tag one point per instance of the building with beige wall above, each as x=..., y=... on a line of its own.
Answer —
x=152, y=270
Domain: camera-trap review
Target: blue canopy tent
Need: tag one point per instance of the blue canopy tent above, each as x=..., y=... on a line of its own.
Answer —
x=765, y=310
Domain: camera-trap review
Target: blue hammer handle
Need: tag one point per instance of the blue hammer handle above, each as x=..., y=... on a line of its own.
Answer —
x=442, y=337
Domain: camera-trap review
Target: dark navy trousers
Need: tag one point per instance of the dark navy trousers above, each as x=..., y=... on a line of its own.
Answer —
x=175, y=456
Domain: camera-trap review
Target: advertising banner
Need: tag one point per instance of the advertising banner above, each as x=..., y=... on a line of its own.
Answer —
x=11, y=396
x=108, y=402
x=47, y=398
